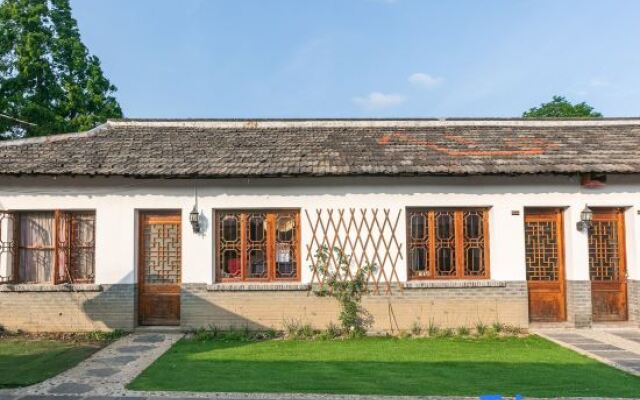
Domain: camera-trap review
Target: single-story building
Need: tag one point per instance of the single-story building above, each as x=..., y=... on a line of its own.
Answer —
x=224, y=222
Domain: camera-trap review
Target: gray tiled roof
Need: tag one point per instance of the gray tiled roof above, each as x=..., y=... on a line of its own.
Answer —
x=244, y=148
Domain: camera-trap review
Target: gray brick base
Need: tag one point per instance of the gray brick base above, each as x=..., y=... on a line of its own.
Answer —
x=106, y=307
x=445, y=306
x=579, y=303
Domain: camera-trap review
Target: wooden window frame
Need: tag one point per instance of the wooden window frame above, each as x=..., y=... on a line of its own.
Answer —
x=269, y=247
x=459, y=248
x=56, y=247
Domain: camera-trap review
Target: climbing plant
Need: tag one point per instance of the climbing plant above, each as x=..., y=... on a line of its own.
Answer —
x=347, y=287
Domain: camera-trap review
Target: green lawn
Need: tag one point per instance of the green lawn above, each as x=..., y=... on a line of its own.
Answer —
x=530, y=366
x=24, y=362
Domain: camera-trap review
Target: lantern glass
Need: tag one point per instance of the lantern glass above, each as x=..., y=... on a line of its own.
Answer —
x=586, y=215
x=194, y=218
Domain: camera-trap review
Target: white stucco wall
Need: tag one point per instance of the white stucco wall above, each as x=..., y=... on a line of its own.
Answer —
x=117, y=200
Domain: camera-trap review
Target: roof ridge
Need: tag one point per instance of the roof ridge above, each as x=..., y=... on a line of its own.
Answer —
x=367, y=123
x=56, y=137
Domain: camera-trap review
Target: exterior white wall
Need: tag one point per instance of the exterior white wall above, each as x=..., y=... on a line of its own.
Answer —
x=117, y=201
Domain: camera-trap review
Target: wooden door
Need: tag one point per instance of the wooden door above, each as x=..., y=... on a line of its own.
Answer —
x=159, y=269
x=545, y=265
x=607, y=265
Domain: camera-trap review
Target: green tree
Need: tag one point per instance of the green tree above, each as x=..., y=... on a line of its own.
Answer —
x=560, y=107
x=47, y=76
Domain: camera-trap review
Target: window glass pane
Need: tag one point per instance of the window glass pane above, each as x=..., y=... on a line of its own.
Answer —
x=256, y=228
x=473, y=242
x=230, y=226
x=36, y=247
x=257, y=265
x=472, y=225
x=230, y=263
x=445, y=261
x=76, y=247
x=286, y=232
x=445, y=244
x=418, y=226
x=444, y=225
x=419, y=259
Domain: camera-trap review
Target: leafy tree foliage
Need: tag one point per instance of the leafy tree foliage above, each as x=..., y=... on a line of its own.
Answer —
x=560, y=107
x=47, y=76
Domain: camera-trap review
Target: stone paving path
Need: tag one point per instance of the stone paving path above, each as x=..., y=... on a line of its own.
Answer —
x=103, y=374
x=619, y=348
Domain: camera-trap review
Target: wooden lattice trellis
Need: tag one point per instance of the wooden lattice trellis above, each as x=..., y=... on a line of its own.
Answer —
x=365, y=236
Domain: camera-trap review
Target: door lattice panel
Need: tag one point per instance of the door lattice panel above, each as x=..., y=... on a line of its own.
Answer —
x=365, y=236
x=604, y=251
x=541, y=250
x=7, y=246
x=162, y=253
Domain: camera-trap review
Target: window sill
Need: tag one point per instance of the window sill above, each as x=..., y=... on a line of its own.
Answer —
x=50, y=288
x=258, y=287
x=447, y=284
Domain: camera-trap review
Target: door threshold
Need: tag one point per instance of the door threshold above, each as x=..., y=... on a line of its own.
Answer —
x=159, y=329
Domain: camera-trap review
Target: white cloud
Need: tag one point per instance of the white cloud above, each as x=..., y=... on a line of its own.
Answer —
x=377, y=100
x=425, y=80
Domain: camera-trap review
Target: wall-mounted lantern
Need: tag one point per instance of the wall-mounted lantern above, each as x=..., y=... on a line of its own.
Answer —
x=586, y=216
x=194, y=218
x=194, y=215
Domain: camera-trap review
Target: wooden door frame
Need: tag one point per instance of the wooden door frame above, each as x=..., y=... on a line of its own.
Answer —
x=141, y=215
x=558, y=214
x=619, y=212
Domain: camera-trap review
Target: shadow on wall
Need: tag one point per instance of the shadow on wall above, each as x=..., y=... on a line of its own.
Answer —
x=116, y=307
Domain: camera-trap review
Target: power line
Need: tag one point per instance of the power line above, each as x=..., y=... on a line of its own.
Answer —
x=17, y=120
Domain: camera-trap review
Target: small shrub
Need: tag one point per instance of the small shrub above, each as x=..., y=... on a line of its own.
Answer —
x=513, y=330
x=305, y=332
x=463, y=331
x=404, y=334
x=497, y=326
x=416, y=328
x=103, y=336
x=204, y=334
x=481, y=328
x=297, y=330
x=433, y=329
x=291, y=327
x=332, y=331
x=446, y=332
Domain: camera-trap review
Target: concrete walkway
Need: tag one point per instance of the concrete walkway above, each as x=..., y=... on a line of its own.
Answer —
x=619, y=348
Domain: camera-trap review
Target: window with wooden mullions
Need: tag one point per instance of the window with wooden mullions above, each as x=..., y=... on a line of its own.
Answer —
x=258, y=245
x=54, y=247
x=448, y=243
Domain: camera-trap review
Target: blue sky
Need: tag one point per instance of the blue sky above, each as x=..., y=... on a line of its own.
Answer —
x=364, y=58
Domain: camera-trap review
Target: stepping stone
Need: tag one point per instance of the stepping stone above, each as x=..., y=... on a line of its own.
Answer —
x=45, y=397
x=598, y=346
x=617, y=355
x=118, y=360
x=149, y=339
x=568, y=336
x=71, y=387
x=134, y=349
x=101, y=372
x=116, y=398
x=633, y=336
x=634, y=364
